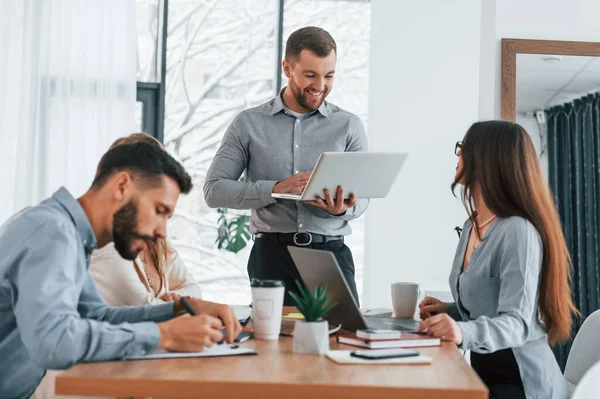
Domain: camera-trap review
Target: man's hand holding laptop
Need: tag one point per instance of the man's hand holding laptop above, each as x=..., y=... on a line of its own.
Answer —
x=337, y=206
x=296, y=184
x=293, y=185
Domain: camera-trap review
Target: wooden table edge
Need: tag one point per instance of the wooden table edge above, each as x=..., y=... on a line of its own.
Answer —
x=140, y=387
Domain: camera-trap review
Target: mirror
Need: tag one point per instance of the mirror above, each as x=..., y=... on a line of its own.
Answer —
x=538, y=74
x=547, y=80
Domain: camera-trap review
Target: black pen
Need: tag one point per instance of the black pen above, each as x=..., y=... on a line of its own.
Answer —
x=187, y=306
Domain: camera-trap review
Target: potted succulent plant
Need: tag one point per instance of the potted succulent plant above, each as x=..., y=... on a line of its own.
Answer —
x=311, y=335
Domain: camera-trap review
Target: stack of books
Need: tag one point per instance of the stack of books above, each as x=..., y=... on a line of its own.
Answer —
x=406, y=340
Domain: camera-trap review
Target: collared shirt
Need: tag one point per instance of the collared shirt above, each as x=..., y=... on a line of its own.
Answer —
x=269, y=144
x=51, y=315
x=496, y=302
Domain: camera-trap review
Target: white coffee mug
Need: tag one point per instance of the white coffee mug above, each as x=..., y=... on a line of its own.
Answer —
x=267, y=307
x=404, y=299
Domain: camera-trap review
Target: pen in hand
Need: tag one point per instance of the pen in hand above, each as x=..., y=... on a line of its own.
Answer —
x=187, y=306
x=189, y=309
x=246, y=321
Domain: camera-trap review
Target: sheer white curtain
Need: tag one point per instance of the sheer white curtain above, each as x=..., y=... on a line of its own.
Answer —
x=67, y=90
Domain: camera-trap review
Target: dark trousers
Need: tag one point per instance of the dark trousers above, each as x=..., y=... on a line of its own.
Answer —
x=271, y=260
x=500, y=372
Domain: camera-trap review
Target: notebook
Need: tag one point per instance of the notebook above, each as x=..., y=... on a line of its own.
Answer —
x=343, y=357
x=406, y=340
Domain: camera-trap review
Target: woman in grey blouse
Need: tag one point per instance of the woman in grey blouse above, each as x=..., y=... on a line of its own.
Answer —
x=510, y=276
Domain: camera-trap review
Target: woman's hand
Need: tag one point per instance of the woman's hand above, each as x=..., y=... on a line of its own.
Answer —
x=430, y=306
x=444, y=327
x=170, y=297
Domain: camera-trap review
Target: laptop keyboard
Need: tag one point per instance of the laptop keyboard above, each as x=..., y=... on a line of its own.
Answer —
x=391, y=323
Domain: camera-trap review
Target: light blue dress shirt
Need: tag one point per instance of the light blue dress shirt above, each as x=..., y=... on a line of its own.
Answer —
x=496, y=302
x=51, y=314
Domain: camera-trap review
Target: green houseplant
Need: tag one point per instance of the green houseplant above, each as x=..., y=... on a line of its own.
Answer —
x=234, y=231
x=311, y=335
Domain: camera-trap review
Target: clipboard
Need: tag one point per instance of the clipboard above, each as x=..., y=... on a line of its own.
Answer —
x=214, y=351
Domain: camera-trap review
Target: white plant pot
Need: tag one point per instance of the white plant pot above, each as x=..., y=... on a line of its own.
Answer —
x=311, y=337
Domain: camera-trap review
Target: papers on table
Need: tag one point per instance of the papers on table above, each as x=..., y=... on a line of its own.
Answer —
x=343, y=357
x=216, y=350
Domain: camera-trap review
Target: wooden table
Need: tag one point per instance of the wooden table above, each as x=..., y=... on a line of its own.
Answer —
x=276, y=373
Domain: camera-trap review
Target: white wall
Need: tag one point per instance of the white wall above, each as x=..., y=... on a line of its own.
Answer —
x=424, y=94
x=487, y=60
x=575, y=20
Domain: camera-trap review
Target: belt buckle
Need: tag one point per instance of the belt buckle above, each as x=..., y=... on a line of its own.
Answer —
x=302, y=244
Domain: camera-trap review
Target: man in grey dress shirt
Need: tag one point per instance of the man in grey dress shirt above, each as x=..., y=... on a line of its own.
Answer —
x=276, y=146
x=51, y=314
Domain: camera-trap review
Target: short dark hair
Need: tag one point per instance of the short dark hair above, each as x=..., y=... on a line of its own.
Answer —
x=136, y=138
x=311, y=38
x=145, y=160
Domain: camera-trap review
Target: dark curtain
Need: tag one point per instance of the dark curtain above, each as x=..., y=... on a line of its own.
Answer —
x=574, y=166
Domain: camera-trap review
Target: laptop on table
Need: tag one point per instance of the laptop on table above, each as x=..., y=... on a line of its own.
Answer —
x=318, y=267
x=364, y=174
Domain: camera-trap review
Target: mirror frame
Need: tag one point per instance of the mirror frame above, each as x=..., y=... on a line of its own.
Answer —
x=512, y=47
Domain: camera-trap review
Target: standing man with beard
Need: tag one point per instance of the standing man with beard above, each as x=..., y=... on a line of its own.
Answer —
x=51, y=314
x=277, y=145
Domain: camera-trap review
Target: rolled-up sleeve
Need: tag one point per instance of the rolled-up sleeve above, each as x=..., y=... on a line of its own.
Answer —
x=519, y=270
x=47, y=306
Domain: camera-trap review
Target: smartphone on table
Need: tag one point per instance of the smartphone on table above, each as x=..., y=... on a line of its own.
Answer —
x=376, y=354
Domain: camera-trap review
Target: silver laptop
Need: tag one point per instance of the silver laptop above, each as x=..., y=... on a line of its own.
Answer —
x=321, y=268
x=364, y=174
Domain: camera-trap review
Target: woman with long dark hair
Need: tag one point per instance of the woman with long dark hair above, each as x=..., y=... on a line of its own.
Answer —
x=511, y=273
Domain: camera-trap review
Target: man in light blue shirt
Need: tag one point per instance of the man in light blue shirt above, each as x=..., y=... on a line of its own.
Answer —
x=51, y=314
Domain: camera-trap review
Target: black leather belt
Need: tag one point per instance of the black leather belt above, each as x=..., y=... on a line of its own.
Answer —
x=299, y=239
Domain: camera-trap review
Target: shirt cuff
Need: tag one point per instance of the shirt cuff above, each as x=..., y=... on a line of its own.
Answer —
x=467, y=330
x=147, y=339
x=349, y=214
x=265, y=190
x=162, y=312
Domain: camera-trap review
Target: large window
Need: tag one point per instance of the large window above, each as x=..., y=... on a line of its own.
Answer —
x=222, y=57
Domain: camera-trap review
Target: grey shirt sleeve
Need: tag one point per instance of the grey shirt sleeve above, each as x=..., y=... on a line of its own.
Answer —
x=222, y=187
x=520, y=258
x=357, y=141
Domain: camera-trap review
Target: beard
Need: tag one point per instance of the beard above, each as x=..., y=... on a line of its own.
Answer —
x=302, y=97
x=125, y=231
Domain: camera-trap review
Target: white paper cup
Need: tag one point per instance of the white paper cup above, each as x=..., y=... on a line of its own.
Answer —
x=267, y=306
x=404, y=299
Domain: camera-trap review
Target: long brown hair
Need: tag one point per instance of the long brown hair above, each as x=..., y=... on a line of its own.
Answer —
x=159, y=251
x=500, y=160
